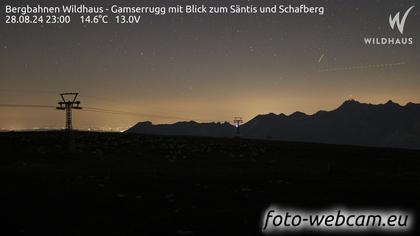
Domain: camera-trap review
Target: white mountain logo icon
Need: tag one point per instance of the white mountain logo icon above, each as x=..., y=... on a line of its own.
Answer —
x=400, y=22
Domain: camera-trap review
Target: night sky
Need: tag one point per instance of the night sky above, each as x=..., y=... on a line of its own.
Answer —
x=207, y=67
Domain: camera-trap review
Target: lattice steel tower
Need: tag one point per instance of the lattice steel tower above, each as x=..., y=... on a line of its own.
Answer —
x=237, y=121
x=67, y=103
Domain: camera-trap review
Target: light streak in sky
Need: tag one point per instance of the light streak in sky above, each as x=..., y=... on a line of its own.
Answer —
x=363, y=67
x=320, y=58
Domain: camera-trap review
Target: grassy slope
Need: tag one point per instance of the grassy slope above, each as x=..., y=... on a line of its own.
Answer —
x=124, y=183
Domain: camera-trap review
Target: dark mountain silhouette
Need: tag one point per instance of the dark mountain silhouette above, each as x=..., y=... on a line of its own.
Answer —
x=185, y=128
x=354, y=123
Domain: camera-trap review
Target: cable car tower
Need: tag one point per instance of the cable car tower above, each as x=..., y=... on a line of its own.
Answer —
x=237, y=121
x=68, y=103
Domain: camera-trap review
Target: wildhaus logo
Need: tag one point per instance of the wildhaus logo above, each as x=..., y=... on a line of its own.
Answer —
x=398, y=21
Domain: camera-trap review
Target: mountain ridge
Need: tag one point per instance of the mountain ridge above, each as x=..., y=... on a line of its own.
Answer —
x=385, y=125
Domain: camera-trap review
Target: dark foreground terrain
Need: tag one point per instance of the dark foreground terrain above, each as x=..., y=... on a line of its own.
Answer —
x=129, y=184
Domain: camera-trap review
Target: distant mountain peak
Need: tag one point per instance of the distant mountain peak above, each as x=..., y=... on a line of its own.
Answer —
x=349, y=104
x=390, y=103
x=297, y=114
